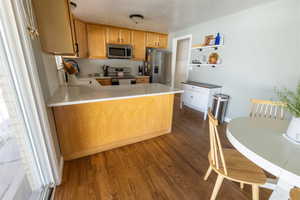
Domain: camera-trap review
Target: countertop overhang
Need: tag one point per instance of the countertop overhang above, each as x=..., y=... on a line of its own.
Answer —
x=70, y=95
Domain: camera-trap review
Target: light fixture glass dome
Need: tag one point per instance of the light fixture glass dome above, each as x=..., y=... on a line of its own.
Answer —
x=136, y=18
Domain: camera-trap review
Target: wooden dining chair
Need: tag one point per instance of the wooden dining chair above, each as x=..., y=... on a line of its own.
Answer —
x=295, y=194
x=267, y=109
x=230, y=164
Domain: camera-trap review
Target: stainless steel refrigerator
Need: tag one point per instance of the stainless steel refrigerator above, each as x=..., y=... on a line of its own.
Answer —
x=158, y=64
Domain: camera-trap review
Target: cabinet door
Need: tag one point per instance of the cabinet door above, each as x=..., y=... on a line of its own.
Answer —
x=81, y=38
x=96, y=41
x=163, y=41
x=139, y=45
x=125, y=36
x=113, y=35
x=152, y=40
x=54, y=26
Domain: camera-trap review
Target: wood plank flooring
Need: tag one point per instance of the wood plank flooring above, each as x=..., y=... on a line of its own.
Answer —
x=169, y=167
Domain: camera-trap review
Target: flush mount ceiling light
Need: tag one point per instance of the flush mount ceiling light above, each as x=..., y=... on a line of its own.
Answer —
x=136, y=18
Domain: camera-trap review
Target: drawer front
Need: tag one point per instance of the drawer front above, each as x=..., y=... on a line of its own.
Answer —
x=188, y=97
x=196, y=99
x=196, y=89
x=104, y=81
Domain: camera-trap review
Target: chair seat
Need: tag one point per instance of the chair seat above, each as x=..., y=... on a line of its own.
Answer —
x=240, y=169
x=295, y=194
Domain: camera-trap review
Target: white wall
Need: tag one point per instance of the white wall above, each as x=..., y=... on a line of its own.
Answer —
x=88, y=66
x=261, y=52
x=182, y=55
x=49, y=82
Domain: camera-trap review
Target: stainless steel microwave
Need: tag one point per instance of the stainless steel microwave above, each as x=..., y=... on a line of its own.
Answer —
x=119, y=51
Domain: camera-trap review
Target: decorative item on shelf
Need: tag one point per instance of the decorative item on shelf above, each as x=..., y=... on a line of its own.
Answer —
x=209, y=40
x=218, y=39
x=213, y=58
x=292, y=101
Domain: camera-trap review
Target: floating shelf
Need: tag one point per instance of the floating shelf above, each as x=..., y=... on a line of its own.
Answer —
x=208, y=47
x=192, y=64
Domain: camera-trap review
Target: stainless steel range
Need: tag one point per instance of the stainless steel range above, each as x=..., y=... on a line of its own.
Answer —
x=121, y=75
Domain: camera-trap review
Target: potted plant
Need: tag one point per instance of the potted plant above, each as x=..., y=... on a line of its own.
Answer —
x=292, y=101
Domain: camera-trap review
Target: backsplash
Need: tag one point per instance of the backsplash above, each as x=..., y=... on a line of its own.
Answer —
x=88, y=66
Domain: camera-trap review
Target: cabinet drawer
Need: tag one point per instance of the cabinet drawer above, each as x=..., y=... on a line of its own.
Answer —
x=104, y=81
x=142, y=80
x=196, y=99
x=195, y=88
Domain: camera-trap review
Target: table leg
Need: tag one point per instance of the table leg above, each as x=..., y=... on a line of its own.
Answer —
x=281, y=191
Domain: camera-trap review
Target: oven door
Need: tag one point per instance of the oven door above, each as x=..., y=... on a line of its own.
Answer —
x=119, y=51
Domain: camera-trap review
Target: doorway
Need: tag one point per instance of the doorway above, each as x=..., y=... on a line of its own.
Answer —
x=181, y=56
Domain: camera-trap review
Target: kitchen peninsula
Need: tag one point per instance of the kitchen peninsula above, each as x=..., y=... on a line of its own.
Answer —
x=94, y=119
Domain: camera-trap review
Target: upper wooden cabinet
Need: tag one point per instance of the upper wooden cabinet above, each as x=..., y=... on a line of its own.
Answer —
x=152, y=40
x=163, y=41
x=81, y=38
x=54, y=26
x=113, y=35
x=118, y=35
x=139, y=45
x=157, y=40
x=125, y=36
x=96, y=40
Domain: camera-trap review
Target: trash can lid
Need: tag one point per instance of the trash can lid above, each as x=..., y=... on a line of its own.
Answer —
x=221, y=96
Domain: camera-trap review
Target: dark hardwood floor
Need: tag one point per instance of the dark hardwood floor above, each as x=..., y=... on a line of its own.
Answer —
x=169, y=167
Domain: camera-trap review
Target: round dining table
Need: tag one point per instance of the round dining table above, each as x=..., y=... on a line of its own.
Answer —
x=263, y=142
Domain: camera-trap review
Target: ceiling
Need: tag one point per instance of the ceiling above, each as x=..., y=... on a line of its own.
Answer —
x=160, y=15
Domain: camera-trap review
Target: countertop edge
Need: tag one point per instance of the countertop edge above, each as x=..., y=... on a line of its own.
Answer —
x=110, y=98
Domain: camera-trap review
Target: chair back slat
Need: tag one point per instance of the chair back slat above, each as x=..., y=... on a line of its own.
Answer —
x=216, y=150
x=267, y=109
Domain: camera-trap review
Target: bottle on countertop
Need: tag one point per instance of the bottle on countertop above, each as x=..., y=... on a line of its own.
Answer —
x=140, y=70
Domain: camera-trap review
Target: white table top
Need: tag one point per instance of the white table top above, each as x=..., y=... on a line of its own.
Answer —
x=86, y=94
x=262, y=142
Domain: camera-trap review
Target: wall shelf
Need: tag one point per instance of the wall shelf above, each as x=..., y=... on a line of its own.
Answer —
x=211, y=65
x=200, y=48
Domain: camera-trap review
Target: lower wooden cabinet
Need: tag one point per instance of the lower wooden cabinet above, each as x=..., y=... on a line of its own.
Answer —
x=144, y=79
x=106, y=81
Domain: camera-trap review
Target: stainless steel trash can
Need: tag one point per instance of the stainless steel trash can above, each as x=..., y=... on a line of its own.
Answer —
x=219, y=108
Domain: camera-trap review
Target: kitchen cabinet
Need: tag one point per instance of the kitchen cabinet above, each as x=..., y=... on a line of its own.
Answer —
x=125, y=36
x=96, y=41
x=118, y=36
x=163, y=41
x=152, y=40
x=81, y=38
x=54, y=23
x=199, y=98
x=143, y=79
x=139, y=45
x=157, y=40
x=104, y=81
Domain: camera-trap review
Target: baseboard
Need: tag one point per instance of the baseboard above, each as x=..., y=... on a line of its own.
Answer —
x=114, y=145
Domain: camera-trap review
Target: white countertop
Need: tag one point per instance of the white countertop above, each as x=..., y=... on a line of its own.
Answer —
x=85, y=94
